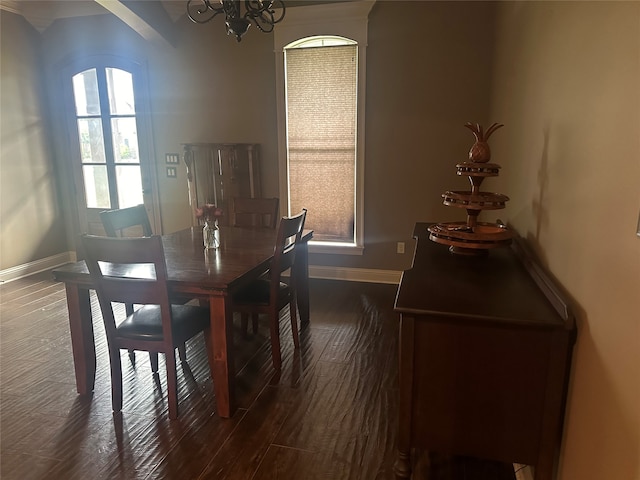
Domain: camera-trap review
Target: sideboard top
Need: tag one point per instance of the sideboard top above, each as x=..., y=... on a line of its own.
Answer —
x=497, y=287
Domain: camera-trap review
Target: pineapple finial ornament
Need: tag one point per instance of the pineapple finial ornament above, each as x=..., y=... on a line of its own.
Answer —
x=473, y=237
x=480, y=151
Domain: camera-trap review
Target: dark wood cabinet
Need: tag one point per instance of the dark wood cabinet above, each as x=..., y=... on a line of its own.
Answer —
x=217, y=172
x=485, y=352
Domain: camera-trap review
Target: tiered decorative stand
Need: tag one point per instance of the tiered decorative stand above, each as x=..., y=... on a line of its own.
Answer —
x=473, y=237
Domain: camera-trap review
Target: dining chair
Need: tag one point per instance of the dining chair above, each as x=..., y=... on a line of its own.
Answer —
x=124, y=222
x=253, y=212
x=133, y=270
x=117, y=222
x=269, y=294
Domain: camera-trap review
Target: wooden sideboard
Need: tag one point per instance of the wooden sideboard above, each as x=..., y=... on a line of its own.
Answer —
x=485, y=353
x=216, y=172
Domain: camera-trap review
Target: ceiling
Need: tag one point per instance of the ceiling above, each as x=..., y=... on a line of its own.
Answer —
x=42, y=13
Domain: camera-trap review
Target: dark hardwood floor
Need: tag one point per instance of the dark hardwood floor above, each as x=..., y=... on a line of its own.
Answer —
x=330, y=414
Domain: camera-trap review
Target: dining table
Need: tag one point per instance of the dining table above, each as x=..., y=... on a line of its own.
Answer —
x=208, y=275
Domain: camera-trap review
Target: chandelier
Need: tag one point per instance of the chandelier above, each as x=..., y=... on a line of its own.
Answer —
x=261, y=12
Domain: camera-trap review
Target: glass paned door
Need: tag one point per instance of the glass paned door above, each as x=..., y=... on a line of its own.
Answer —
x=107, y=126
x=107, y=183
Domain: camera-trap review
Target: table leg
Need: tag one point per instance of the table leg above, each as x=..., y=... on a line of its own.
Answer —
x=82, y=342
x=302, y=280
x=220, y=352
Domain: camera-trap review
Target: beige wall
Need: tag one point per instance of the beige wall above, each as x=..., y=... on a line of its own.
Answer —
x=429, y=67
x=566, y=87
x=29, y=207
x=211, y=89
x=428, y=73
x=562, y=77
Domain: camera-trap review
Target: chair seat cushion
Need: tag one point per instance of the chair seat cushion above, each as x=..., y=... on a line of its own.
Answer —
x=146, y=323
x=257, y=293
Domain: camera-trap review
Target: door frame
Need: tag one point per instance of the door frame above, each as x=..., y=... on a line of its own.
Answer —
x=76, y=194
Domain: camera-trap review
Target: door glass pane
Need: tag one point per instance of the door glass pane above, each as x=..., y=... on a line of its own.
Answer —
x=125, y=140
x=96, y=187
x=85, y=91
x=91, y=140
x=120, y=85
x=129, y=185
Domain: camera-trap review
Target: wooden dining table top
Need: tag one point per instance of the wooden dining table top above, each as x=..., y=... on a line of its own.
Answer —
x=243, y=252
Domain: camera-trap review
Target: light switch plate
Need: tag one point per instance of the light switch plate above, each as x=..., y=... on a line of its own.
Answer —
x=172, y=158
x=172, y=172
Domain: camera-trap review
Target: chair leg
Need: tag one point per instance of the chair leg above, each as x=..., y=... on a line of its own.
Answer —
x=128, y=308
x=182, y=352
x=294, y=323
x=274, y=326
x=172, y=383
x=153, y=359
x=254, y=322
x=116, y=379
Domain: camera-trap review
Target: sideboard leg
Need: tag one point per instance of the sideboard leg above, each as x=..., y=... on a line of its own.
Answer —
x=402, y=466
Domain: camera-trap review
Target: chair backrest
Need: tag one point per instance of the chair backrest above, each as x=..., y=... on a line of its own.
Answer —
x=253, y=212
x=128, y=270
x=116, y=221
x=289, y=234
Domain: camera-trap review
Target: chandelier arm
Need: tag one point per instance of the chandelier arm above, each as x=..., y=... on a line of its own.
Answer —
x=264, y=10
x=275, y=5
x=264, y=22
x=255, y=6
x=201, y=11
x=263, y=13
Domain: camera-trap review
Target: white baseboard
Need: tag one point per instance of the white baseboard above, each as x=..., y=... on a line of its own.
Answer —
x=355, y=274
x=26, y=269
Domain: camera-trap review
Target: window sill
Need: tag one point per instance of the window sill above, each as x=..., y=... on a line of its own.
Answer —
x=335, y=248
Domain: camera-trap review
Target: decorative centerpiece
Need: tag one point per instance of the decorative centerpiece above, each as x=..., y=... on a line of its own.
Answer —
x=473, y=237
x=210, y=214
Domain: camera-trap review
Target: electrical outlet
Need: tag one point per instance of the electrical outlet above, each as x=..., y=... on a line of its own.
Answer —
x=400, y=247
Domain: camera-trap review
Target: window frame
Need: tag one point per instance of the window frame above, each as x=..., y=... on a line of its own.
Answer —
x=348, y=20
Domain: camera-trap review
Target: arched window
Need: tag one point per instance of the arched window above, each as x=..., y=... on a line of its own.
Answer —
x=321, y=98
x=321, y=76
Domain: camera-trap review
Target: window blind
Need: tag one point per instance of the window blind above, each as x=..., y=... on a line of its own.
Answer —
x=321, y=97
